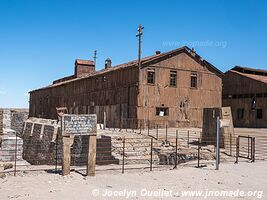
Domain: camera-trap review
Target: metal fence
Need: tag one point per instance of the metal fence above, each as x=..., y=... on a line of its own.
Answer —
x=123, y=150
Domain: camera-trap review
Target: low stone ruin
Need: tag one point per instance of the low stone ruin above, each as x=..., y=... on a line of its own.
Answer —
x=43, y=145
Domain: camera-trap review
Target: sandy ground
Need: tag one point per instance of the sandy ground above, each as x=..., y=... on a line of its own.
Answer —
x=159, y=184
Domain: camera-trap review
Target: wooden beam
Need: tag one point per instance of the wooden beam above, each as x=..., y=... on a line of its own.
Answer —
x=66, y=156
x=91, y=156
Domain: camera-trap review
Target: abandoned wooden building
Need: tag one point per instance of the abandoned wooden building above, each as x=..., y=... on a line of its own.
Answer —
x=245, y=90
x=170, y=88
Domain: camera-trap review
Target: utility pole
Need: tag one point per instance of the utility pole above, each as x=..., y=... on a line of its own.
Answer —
x=139, y=35
x=95, y=52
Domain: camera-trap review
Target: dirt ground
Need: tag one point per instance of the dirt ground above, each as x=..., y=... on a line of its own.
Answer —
x=188, y=182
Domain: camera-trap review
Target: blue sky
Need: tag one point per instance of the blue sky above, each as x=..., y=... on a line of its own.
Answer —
x=39, y=40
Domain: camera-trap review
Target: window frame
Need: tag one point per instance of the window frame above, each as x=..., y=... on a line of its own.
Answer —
x=164, y=109
x=153, y=78
x=172, y=72
x=194, y=75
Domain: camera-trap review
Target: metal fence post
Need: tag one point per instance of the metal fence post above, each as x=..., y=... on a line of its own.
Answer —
x=251, y=149
x=176, y=149
x=248, y=144
x=56, y=154
x=16, y=148
x=157, y=131
x=151, y=154
x=230, y=144
x=123, y=154
x=198, y=152
x=188, y=138
x=166, y=132
x=237, y=149
x=254, y=145
x=148, y=127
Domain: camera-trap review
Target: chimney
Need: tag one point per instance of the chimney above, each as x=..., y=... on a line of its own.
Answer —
x=84, y=68
x=158, y=52
x=107, y=63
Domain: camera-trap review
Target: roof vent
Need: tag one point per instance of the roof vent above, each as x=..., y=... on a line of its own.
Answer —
x=158, y=52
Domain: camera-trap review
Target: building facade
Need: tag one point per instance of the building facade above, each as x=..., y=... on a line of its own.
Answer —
x=245, y=91
x=170, y=88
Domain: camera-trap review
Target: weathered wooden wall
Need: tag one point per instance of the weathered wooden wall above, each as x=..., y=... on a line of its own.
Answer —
x=242, y=89
x=113, y=92
x=206, y=95
x=128, y=103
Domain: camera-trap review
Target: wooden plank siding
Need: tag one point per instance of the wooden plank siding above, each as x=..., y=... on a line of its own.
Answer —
x=241, y=89
x=206, y=95
x=127, y=98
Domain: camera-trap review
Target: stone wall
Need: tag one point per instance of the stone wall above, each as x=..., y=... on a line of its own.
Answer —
x=9, y=144
x=6, y=119
x=18, y=117
x=42, y=144
x=13, y=118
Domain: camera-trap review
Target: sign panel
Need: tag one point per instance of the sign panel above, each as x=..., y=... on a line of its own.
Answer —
x=79, y=124
x=224, y=123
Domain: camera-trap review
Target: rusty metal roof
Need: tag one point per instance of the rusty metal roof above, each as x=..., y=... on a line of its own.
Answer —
x=261, y=78
x=248, y=70
x=145, y=61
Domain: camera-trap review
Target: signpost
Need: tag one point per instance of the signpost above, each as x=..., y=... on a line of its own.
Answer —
x=74, y=124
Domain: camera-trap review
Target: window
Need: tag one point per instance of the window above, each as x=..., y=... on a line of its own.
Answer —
x=162, y=111
x=193, y=80
x=259, y=114
x=240, y=113
x=173, y=78
x=151, y=76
